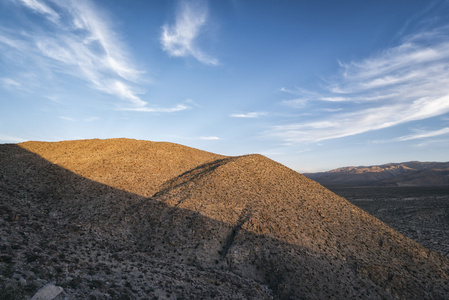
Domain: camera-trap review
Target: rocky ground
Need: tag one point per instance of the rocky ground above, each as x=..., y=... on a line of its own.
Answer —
x=216, y=227
x=45, y=239
x=421, y=213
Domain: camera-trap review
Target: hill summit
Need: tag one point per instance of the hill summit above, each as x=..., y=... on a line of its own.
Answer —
x=107, y=218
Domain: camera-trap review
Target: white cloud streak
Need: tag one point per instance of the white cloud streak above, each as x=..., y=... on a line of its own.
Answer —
x=250, y=115
x=67, y=119
x=11, y=42
x=77, y=41
x=296, y=103
x=424, y=134
x=405, y=83
x=180, y=39
x=179, y=107
x=91, y=119
x=209, y=138
x=42, y=8
x=9, y=83
x=10, y=139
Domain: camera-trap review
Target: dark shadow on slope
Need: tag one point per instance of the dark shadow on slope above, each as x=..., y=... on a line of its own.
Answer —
x=59, y=227
x=192, y=174
x=276, y=263
x=93, y=239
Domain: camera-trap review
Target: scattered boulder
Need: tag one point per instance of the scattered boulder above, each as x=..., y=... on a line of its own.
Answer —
x=49, y=292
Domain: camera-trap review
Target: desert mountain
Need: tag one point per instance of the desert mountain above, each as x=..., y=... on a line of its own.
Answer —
x=412, y=173
x=139, y=167
x=123, y=218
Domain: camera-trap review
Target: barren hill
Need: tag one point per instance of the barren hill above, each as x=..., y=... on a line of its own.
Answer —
x=214, y=227
x=412, y=173
x=134, y=166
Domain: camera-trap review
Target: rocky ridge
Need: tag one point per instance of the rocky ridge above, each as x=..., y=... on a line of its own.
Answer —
x=394, y=174
x=212, y=226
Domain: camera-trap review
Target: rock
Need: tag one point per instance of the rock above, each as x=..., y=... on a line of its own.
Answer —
x=49, y=292
x=19, y=278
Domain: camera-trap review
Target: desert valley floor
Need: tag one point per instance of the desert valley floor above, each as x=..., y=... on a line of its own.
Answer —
x=421, y=213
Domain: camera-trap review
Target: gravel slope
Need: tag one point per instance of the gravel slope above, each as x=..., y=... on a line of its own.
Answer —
x=125, y=218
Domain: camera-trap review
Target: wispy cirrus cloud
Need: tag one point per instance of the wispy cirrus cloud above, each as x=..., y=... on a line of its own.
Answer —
x=67, y=118
x=402, y=84
x=9, y=83
x=424, y=134
x=249, y=115
x=11, y=41
x=296, y=103
x=176, y=108
x=77, y=40
x=42, y=8
x=10, y=139
x=209, y=138
x=180, y=38
x=199, y=138
x=91, y=119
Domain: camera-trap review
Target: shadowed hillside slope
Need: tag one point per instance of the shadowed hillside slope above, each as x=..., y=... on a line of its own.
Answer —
x=242, y=217
x=288, y=232
x=56, y=226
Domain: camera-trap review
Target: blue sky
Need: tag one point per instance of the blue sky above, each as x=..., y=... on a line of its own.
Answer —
x=314, y=85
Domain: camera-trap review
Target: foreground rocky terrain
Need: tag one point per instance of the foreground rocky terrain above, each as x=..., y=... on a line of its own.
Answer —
x=412, y=173
x=125, y=219
x=421, y=213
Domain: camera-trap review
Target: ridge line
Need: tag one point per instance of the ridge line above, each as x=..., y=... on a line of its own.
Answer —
x=184, y=178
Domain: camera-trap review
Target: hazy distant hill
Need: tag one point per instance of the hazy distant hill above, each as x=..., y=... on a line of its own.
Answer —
x=126, y=219
x=412, y=173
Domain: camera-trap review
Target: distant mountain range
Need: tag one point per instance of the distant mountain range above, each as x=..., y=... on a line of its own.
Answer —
x=413, y=173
